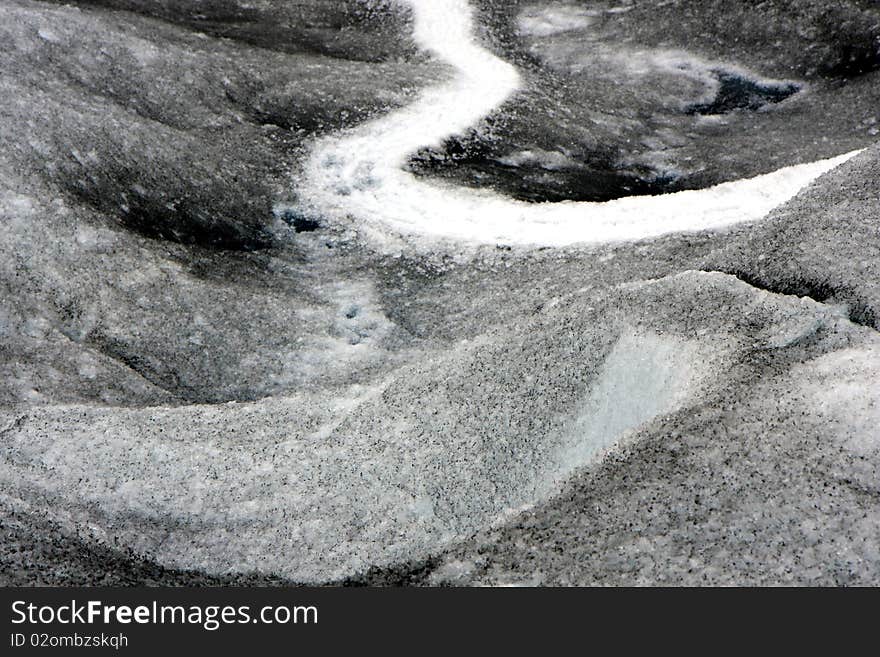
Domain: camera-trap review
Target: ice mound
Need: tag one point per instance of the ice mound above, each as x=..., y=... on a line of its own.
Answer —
x=772, y=483
x=319, y=489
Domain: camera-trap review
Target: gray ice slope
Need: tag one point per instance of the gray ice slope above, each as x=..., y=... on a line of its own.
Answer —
x=207, y=392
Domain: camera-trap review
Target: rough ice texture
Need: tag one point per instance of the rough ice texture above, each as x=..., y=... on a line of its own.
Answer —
x=617, y=96
x=360, y=174
x=691, y=408
x=315, y=491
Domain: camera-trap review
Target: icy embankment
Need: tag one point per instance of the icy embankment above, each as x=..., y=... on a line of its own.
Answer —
x=318, y=490
x=359, y=174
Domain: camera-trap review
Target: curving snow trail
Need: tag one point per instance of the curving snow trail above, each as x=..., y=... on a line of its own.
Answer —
x=359, y=174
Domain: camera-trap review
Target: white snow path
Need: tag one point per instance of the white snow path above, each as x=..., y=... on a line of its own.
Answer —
x=358, y=175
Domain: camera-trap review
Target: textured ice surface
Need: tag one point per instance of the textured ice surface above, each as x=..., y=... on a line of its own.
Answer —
x=176, y=408
x=430, y=454
x=620, y=97
x=361, y=174
x=772, y=483
x=544, y=21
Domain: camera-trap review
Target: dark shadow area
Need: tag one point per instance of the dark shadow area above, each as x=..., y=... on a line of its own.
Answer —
x=739, y=93
x=859, y=311
x=299, y=223
x=598, y=178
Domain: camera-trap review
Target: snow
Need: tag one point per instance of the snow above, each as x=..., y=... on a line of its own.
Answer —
x=549, y=160
x=358, y=175
x=836, y=385
x=545, y=21
x=644, y=376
